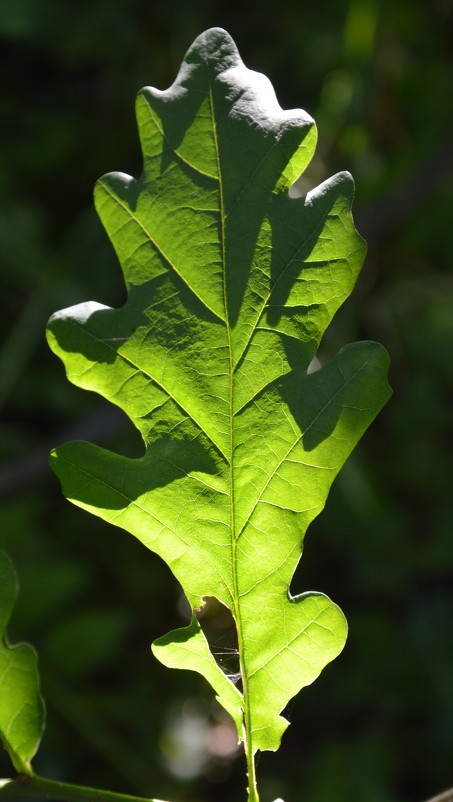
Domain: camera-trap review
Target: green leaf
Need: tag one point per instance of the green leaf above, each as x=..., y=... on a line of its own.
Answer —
x=188, y=648
x=231, y=284
x=21, y=706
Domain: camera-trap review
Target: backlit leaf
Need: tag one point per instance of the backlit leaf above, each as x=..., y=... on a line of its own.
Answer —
x=231, y=284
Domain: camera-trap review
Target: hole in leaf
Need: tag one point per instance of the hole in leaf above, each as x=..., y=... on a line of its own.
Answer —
x=220, y=631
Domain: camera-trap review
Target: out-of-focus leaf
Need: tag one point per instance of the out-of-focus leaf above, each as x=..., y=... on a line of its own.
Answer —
x=21, y=706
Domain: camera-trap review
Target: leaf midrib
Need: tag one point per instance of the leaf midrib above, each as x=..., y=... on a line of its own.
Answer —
x=235, y=596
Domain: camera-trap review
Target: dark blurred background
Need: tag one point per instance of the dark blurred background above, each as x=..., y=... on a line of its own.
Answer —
x=378, y=724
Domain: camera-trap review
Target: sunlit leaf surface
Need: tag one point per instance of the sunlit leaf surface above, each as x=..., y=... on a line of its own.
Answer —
x=231, y=284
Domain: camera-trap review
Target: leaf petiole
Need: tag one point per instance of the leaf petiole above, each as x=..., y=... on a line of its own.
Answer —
x=252, y=787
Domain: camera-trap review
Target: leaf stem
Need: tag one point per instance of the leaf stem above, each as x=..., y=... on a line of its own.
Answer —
x=39, y=787
x=252, y=788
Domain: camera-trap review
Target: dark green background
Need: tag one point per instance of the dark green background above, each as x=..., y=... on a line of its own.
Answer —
x=376, y=75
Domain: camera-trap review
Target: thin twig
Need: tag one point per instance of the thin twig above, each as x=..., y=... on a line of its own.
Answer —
x=35, y=787
x=385, y=215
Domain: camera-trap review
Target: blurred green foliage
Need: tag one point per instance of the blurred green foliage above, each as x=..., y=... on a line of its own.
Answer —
x=376, y=75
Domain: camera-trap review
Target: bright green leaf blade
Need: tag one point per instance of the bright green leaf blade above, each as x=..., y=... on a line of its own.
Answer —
x=21, y=706
x=231, y=284
x=311, y=632
x=188, y=648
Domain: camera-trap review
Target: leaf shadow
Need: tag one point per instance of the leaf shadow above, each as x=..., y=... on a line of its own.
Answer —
x=106, y=329
x=343, y=388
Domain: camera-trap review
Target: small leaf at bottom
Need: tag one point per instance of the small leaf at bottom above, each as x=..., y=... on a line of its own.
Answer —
x=21, y=706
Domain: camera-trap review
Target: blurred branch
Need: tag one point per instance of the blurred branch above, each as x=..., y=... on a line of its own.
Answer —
x=384, y=215
x=18, y=348
x=128, y=763
x=34, y=467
